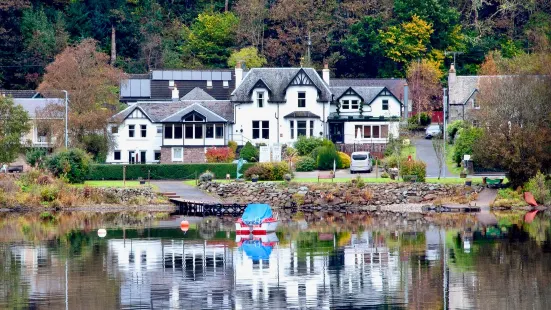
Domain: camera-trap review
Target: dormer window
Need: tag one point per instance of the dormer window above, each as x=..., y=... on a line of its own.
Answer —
x=301, y=99
x=354, y=104
x=226, y=84
x=260, y=99
x=346, y=105
x=209, y=84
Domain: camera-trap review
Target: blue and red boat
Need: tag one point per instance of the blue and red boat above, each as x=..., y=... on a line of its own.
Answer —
x=257, y=219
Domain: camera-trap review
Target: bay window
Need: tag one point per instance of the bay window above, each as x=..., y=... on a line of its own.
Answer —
x=219, y=131
x=371, y=131
x=301, y=128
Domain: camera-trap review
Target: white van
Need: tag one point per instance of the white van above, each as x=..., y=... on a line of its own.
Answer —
x=361, y=161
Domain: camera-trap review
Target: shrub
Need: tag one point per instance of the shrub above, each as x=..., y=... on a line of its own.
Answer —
x=163, y=171
x=468, y=137
x=327, y=156
x=233, y=146
x=454, y=128
x=306, y=163
x=288, y=177
x=35, y=157
x=414, y=167
x=268, y=171
x=220, y=155
x=344, y=160
x=392, y=161
x=73, y=164
x=385, y=175
x=539, y=188
x=249, y=153
x=305, y=145
x=424, y=119
x=206, y=176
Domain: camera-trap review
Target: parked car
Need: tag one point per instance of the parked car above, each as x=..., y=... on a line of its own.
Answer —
x=433, y=130
x=361, y=161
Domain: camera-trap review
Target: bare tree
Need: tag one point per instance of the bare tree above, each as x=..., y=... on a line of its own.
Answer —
x=438, y=146
x=252, y=22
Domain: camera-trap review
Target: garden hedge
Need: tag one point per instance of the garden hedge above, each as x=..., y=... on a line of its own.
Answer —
x=163, y=172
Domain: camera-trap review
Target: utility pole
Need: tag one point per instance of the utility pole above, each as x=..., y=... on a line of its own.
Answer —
x=66, y=119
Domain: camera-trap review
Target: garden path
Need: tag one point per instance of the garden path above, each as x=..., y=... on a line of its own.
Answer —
x=185, y=191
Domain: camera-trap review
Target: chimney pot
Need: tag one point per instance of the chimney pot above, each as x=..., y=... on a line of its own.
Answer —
x=326, y=73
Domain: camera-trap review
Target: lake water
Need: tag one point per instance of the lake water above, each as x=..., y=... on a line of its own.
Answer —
x=322, y=261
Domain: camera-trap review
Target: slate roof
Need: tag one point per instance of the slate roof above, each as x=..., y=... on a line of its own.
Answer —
x=159, y=110
x=26, y=93
x=31, y=105
x=462, y=88
x=301, y=114
x=197, y=94
x=277, y=79
x=210, y=116
x=396, y=86
x=367, y=93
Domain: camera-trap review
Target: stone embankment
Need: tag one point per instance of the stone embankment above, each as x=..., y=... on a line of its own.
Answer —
x=398, y=197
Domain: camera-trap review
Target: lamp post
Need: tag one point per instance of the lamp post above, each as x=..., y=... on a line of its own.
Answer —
x=66, y=119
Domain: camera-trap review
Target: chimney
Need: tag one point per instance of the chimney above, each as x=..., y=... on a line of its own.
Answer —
x=238, y=73
x=175, y=94
x=452, y=77
x=325, y=73
x=406, y=101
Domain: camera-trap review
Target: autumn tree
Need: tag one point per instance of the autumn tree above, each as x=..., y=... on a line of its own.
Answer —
x=14, y=123
x=424, y=81
x=252, y=16
x=407, y=41
x=249, y=55
x=92, y=85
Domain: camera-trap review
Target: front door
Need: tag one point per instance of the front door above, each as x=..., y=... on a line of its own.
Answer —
x=336, y=132
x=142, y=157
x=131, y=158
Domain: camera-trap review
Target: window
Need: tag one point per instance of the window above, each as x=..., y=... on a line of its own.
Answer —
x=311, y=128
x=260, y=99
x=168, y=131
x=209, y=84
x=157, y=155
x=131, y=131
x=115, y=129
x=475, y=123
x=301, y=128
x=375, y=130
x=292, y=124
x=371, y=131
x=219, y=131
x=159, y=130
x=301, y=99
x=189, y=131
x=178, y=131
x=143, y=129
x=474, y=104
x=345, y=105
x=193, y=117
x=209, y=131
x=226, y=84
x=385, y=105
x=177, y=154
x=117, y=155
x=367, y=132
x=261, y=128
x=354, y=105
x=198, y=131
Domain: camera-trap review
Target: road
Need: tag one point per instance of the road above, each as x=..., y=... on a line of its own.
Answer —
x=425, y=152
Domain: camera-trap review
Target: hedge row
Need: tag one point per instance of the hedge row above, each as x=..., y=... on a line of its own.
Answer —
x=163, y=172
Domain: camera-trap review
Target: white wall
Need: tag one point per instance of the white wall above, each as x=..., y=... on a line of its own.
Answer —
x=124, y=143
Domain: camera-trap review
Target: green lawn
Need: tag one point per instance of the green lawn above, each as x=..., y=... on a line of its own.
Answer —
x=452, y=166
x=409, y=150
x=115, y=183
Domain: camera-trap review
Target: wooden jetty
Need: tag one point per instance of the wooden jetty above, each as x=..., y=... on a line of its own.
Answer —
x=199, y=208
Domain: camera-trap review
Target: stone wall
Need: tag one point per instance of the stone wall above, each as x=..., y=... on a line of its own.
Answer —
x=125, y=195
x=336, y=194
x=166, y=155
x=194, y=155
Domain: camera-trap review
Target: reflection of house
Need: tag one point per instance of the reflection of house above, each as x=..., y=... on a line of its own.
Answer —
x=33, y=103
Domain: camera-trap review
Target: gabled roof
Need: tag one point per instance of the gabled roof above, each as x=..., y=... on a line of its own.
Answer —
x=462, y=89
x=396, y=86
x=208, y=114
x=260, y=84
x=159, y=110
x=366, y=94
x=301, y=114
x=197, y=94
x=277, y=80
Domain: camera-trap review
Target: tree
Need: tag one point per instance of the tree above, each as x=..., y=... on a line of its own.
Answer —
x=14, y=124
x=210, y=38
x=424, y=80
x=249, y=55
x=408, y=41
x=92, y=85
x=438, y=145
x=252, y=16
x=516, y=132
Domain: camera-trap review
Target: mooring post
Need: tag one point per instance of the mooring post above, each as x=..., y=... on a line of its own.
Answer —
x=149, y=176
x=124, y=175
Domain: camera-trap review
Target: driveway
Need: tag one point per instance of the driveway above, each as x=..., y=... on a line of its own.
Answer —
x=425, y=152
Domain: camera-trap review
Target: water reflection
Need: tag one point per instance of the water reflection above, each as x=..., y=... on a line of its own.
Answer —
x=315, y=261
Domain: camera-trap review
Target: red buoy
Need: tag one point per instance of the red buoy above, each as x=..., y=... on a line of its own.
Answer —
x=184, y=226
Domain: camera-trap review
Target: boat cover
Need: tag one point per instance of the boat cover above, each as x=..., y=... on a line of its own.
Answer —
x=255, y=250
x=255, y=213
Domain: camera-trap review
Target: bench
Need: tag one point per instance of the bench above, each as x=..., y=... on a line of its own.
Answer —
x=325, y=176
x=409, y=178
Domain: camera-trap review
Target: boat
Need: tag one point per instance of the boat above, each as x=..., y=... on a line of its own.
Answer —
x=257, y=247
x=257, y=219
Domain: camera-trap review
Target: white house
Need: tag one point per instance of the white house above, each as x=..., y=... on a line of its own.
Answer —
x=171, y=132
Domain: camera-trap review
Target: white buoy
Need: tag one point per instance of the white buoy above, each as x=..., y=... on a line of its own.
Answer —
x=102, y=233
